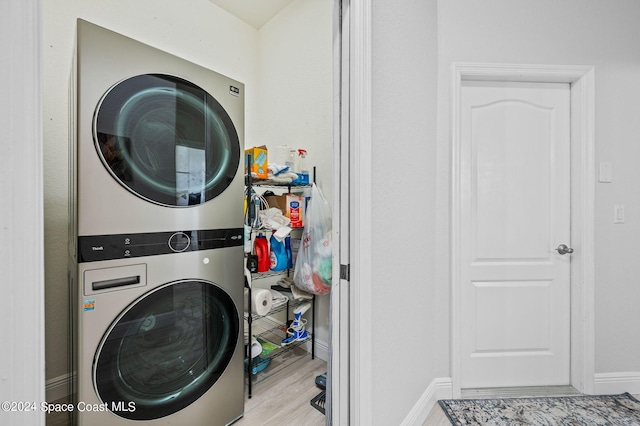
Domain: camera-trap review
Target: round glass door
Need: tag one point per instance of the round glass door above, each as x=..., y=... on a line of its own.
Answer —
x=166, y=350
x=166, y=140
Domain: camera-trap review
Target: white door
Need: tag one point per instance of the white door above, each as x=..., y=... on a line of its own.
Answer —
x=515, y=190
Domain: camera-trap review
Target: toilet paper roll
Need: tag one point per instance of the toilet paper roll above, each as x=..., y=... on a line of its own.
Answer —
x=256, y=347
x=260, y=301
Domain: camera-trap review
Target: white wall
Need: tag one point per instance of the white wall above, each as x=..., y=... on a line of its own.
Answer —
x=573, y=32
x=295, y=98
x=296, y=81
x=410, y=307
x=201, y=33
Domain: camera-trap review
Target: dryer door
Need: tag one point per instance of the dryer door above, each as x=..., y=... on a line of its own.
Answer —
x=166, y=350
x=166, y=140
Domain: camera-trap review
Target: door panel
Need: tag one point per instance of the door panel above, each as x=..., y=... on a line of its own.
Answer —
x=525, y=307
x=511, y=180
x=515, y=210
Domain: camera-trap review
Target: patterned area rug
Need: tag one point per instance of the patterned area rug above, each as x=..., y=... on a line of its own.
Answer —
x=588, y=410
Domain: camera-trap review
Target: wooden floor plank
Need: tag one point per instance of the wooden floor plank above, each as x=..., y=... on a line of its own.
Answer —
x=284, y=397
x=436, y=417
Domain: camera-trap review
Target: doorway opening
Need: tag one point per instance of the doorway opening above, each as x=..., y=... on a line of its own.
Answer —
x=299, y=105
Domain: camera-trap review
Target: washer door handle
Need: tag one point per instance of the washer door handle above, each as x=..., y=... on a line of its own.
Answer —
x=116, y=282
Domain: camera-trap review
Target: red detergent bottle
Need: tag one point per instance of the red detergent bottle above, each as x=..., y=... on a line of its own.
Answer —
x=261, y=248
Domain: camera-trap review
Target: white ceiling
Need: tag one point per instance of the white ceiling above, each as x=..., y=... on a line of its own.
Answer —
x=254, y=12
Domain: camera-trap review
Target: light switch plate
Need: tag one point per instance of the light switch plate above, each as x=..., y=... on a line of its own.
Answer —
x=618, y=213
x=606, y=172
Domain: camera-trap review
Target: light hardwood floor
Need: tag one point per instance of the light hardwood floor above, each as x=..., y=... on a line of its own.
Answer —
x=281, y=395
x=436, y=417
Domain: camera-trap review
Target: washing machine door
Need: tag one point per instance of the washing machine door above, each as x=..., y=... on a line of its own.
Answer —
x=166, y=350
x=166, y=140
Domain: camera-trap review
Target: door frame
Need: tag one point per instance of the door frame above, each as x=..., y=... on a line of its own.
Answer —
x=582, y=82
x=350, y=399
x=339, y=366
x=22, y=262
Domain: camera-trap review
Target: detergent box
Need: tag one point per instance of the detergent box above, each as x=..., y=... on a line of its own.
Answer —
x=259, y=161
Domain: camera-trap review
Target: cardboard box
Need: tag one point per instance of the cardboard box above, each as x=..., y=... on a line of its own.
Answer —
x=259, y=161
x=277, y=201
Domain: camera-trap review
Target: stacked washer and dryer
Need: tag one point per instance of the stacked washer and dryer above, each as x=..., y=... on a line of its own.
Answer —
x=156, y=237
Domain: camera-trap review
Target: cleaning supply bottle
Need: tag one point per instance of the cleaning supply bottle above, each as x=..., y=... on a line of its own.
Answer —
x=287, y=251
x=302, y=169
x=278, y=255
x=290, y=160
x=261, y=247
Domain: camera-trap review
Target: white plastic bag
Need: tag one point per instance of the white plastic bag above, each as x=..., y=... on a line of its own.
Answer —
x=312, y=271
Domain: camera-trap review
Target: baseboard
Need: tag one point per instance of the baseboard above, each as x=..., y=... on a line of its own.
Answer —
x=58, y=387
x=322, y=349
x=442, y=388
x=439, y=388
x=615, y=383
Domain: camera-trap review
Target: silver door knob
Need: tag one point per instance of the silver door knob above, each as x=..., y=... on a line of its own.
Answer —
x=563, y=249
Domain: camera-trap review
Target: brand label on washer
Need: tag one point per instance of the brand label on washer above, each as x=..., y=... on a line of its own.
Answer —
x=235, y=91
x=89, y=305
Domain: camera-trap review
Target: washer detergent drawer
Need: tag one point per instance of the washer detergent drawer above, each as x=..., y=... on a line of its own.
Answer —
x=96, y=281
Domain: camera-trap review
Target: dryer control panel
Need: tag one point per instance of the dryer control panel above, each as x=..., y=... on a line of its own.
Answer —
x=95, y=248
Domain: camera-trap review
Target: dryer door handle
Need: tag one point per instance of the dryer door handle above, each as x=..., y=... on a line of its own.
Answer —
x=116, y=282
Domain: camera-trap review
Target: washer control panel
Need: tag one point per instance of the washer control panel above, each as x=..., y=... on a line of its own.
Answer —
x=179, y=242
x=95, y=248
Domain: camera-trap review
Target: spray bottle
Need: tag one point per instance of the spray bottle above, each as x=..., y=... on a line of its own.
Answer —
x=303, y=170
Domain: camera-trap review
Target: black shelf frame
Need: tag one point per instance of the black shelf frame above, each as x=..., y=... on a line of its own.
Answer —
x=276, y=332
x=318, y=402
x=250, y=317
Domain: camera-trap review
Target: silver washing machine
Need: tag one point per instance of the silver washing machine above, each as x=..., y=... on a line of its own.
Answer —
x=156, y=236
x=159, y=339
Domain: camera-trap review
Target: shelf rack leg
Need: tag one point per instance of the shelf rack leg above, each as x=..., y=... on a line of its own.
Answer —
x=248, y=347
x=313, y=327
